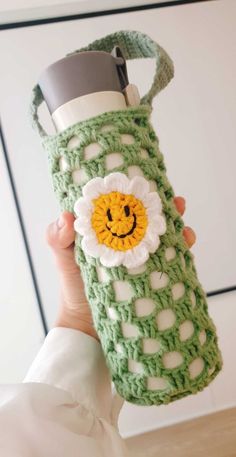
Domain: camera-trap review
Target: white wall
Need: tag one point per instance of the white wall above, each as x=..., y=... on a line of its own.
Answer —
x=25, y=10
x=21, y=332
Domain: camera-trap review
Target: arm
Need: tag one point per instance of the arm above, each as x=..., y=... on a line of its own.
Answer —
x=74, y=342
x=65, y=405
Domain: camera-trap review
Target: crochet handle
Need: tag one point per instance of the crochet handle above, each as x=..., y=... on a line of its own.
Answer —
x=134, y=45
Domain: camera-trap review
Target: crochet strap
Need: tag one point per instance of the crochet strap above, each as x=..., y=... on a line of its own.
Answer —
x=134, y=45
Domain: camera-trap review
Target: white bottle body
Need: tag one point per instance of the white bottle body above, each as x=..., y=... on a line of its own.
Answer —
x=81, y=108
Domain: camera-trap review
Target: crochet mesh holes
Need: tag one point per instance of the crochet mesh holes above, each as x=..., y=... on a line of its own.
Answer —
x=113, y=160
x=178, y=290
x=79, y=176
x=192, y=298
x=144, y=153
x=119, y=348
x=158, y=279
x=202, y=337
x=156, y=383
x=170, y=253
x=112, y=313
x=63, y=165
x=196, y=367
x=190, y=275
x=150, y=345
x=73, y=143
x=186, y=330
x=144, y=306
x=134, y=170
x=102, y=274
x=126, y=138
x=123, y=290
x=165, y=319
x=92, y=150
x=172, y=359
x=107, y=128
x=135, y=367
x=129, y=330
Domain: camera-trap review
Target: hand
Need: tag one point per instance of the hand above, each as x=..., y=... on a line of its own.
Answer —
x=74, y=309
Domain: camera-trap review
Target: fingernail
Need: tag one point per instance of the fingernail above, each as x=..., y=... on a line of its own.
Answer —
x=60, y=222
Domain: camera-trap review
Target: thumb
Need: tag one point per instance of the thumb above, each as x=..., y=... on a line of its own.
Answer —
x=60, y=236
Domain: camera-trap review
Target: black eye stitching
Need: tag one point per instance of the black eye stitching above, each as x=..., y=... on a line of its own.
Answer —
x=127, y=210
x=125, y=234
x=109, y=215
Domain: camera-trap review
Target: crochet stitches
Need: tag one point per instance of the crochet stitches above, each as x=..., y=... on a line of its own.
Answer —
x=120, y=220
x=159, y=341
x=154, y=364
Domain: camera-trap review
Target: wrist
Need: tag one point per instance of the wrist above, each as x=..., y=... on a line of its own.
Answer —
x=76, y=322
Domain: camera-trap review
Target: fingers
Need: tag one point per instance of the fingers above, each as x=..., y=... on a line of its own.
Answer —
x=60, y=236
x=188, y=232
x=189, y=236
x=180, y=204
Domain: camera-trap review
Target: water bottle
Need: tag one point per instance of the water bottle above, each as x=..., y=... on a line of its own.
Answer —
x=148, y=306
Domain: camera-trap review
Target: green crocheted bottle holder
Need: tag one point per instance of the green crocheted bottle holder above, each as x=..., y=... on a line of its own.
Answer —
x=140, y=376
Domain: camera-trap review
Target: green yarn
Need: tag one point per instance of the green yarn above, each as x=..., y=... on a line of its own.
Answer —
x=192, y=305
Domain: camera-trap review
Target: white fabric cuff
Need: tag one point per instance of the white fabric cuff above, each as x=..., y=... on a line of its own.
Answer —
x=74, y=361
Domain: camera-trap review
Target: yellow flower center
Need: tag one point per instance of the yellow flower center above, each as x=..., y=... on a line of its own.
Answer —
x=119, y=220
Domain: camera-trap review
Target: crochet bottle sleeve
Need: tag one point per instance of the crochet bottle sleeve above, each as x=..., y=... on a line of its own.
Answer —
x=152, y=318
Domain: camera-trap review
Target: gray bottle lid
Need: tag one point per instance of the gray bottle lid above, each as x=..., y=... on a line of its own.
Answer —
x=83, y=73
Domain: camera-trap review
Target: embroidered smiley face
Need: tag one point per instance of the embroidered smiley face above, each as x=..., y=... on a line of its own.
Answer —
x=119, y=219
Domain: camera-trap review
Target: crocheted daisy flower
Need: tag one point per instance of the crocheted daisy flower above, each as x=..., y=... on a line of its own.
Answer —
x=119, y=219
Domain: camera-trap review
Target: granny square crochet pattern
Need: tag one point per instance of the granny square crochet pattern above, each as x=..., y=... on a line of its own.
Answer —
x=158, y=339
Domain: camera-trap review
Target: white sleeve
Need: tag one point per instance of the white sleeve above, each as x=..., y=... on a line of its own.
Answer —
x=65, y=405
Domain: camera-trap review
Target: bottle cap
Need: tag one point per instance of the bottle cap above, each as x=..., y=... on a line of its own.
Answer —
x=83, y=73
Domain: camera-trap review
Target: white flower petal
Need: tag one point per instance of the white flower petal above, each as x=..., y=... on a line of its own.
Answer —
x=83, y=207
x=157, y=224
x=116, y=182
x=161, y=225
x=152, y=213
x=94, y=188
x=152, y=242
x=136, y=256
x=138, y=187
x=153, y=201
x=82, y=225
x=142, y=254
x=91, y=246
x=111, y=258
x=151, y=230
x=153, y=248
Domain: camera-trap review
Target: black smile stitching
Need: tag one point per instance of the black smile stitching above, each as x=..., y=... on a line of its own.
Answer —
x=125, y=234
